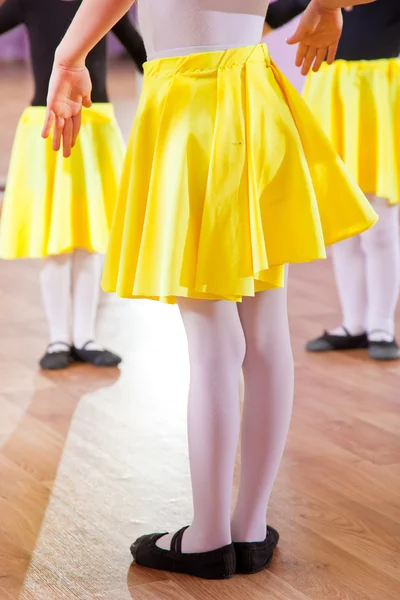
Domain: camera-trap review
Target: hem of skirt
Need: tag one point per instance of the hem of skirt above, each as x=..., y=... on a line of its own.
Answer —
x=392, y=199
x=352, y=232
x=29, y=255
x=189, y=295
x=262, y=285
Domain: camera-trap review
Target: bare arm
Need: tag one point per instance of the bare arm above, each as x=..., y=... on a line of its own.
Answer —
x=94, y=19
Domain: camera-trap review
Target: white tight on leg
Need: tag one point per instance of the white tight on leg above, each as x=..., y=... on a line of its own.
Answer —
x=70, y=288
x=86, y=275
x=269, y=386
x=216, y=352
x=55, y=283
x=349, y=268
x=381, y=246
x=367, y=272
x=216, y=342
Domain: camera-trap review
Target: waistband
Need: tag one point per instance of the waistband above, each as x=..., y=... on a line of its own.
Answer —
x=100, y=112
x=208, y=61
x=380, y=64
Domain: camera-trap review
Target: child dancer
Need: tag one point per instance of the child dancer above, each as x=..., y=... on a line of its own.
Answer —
x=226, y=179
x=57, y=209
x=357, y=102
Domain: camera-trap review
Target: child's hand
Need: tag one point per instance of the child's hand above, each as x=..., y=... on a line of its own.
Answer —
x=69, y=90
x=318, y=36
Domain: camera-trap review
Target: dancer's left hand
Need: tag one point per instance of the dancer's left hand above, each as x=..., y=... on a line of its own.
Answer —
x=318, y=36
x=69, y=91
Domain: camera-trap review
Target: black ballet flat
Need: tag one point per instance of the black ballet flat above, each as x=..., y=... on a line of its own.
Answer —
x=217, y=564
x=384, y=350
x=330, y=343
x=55, y=361
x=98, y=358
x=252, y=557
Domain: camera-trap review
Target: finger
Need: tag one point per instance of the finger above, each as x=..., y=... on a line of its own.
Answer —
x=67, y=137
x=301, y=54
x=48, y=123
x=348, y=8
x=298, y=36
x=86, y=101
x=57, y=133
x=308, y=60
x=331, y=53
x=76, y=122
x=319, y=59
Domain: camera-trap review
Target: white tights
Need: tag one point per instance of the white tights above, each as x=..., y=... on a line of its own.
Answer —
x=70, y=286
x=367, y=272
x=222, y=338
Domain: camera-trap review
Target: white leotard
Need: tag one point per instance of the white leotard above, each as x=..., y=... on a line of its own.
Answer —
x=182, y=27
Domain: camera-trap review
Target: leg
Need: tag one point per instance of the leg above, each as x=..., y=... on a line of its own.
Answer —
x=216, y=351
x=268, y=375
x=349, y=268
x=381, y=245
x=55, y=281
x=86, y=275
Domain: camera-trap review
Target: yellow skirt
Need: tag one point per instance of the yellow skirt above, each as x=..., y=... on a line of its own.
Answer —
x=227, y=178
x=52, y=204
x=358, y=106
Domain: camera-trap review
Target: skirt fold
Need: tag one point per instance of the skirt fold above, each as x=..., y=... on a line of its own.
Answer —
x=227, y=178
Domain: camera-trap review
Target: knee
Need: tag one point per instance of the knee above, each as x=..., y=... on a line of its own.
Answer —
x=270, y=345
x=378, y=238
x=225, y=351
x=349, y=247
x=218, y=350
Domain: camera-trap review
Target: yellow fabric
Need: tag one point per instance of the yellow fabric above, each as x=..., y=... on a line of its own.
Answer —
x=53, y=205
x=227, y=178
x=358, y=106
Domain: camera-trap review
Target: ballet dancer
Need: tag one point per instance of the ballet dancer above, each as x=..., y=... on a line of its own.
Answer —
x=357, y=102
x=61, y=210
x=227, y=178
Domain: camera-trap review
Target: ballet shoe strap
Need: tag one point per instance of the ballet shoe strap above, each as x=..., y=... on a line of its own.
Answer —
x=176, y=542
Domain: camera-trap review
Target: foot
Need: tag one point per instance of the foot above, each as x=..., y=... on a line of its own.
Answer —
x=215, y=564
x=58, y=356
x=252, y=557
x=384, y=350
x=95, y=355
x=338, y=340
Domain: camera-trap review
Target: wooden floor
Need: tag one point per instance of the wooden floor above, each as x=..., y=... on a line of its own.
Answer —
x=89, y=460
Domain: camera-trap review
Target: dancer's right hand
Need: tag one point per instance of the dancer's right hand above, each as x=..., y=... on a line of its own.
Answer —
x=69, y=90
x=317, y=36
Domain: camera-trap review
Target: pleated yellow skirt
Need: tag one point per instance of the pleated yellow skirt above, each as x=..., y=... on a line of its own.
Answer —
x=227, y=178
x=53, y=205
x=358, y=106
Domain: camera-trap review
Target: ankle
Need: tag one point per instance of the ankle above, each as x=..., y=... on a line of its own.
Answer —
x=249, y=531
x=197, y=539
x=345, y=330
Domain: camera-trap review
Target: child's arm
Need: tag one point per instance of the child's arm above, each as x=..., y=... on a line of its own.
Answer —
x=11, y=15
x=70, y=85
x=93, y=20
x=131, y=39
